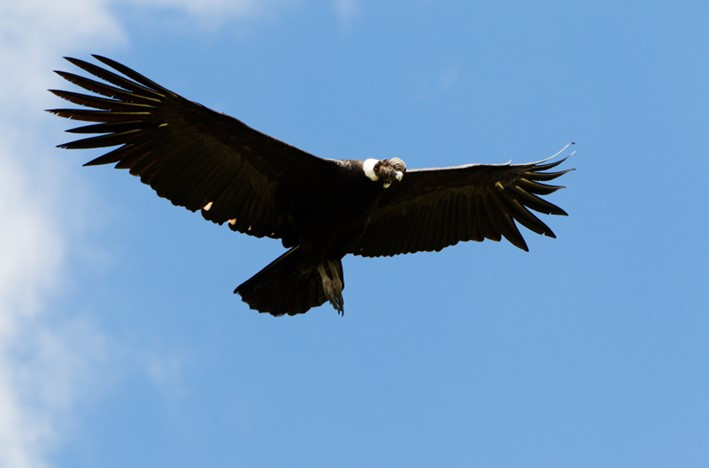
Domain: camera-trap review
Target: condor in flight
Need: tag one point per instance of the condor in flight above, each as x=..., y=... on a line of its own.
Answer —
x=320, y=209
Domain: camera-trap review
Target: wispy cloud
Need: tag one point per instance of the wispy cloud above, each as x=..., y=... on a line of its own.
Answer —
x=166, y=372
x=207, y=7
x=48, y=356
x=347, y=12
x=214, y=13
x=449, y=77
x=45, y=355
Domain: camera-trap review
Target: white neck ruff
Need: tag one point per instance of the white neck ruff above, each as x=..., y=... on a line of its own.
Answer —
x=368, y=167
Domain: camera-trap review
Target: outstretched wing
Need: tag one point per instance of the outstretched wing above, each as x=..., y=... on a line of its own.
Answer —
x=433, y=208
x=187, y=153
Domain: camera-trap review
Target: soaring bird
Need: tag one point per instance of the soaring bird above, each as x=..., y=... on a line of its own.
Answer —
x=320, y=209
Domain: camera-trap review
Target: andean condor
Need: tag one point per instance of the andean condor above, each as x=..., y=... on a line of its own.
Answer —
x=321, y=209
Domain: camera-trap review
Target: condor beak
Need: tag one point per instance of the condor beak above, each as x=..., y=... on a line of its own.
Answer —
x=399, y=175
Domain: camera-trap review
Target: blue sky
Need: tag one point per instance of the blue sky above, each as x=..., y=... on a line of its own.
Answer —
x=121, y=343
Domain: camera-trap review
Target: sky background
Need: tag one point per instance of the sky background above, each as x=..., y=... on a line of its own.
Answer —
x=121, y=343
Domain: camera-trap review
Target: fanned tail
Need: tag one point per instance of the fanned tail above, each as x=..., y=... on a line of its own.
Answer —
x=282, y=287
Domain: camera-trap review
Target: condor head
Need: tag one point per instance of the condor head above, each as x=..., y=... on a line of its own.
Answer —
x=385, y=171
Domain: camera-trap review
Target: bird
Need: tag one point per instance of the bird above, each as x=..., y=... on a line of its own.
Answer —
x=321, y=209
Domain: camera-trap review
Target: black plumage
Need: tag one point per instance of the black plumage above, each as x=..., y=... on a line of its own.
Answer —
x=321, y=209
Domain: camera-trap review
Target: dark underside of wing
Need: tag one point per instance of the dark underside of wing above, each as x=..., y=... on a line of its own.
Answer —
x=187, y=153
x=434, y=208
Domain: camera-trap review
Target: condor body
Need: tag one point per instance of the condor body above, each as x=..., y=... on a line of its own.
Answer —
x=321, y=209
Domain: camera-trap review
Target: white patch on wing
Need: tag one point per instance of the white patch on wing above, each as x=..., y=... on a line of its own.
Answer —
x=208, y=206
x=232, y=221
x=368, y=167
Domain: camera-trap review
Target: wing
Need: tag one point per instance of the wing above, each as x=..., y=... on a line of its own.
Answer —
x=187, y=153
x=433, y=208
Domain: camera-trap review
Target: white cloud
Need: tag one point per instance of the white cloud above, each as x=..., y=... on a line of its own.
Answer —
x=34, y=33
x=48, y=356
x=45, y=355
x=237, y=8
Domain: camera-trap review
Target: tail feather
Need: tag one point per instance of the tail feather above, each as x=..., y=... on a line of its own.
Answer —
x=283, y=288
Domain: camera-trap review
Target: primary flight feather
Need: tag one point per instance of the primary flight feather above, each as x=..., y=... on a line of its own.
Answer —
x=321, y=209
